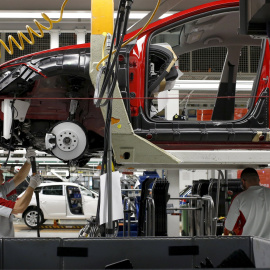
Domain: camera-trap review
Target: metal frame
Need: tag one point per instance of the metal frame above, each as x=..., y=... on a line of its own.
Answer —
x=212, y=159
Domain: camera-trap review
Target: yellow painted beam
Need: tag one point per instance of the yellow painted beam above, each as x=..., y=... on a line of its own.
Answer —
x=102, y=16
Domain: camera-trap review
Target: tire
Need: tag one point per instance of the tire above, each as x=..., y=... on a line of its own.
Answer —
x=30, y=217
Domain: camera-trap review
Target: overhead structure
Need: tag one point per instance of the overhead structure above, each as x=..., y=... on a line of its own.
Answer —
x=165, y=6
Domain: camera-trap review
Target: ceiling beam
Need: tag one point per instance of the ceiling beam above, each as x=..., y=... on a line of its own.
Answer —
x=165, y=6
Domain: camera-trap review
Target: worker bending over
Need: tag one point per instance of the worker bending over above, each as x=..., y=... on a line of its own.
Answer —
x=7, y=207
x=249, y=212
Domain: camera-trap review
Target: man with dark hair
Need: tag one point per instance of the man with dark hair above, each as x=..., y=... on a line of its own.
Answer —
x=249, y=213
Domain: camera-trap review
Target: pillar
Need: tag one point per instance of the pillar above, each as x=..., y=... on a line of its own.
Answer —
x=54, y=38
x=80, y=35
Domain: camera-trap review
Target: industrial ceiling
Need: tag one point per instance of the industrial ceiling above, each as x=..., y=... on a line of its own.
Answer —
x=13, y=23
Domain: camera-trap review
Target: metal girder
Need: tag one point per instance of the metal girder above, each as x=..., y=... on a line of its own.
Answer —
x=214, y=159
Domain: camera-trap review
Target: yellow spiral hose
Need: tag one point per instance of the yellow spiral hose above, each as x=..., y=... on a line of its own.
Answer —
x=31, y=32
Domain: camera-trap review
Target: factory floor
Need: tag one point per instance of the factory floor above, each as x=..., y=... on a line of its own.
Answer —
x=65, y=229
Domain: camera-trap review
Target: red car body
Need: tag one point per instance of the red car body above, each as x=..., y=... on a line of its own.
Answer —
x=52, y=78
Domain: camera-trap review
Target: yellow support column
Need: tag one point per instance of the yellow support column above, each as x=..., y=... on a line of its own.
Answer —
x=102, y=21
x=102, y=16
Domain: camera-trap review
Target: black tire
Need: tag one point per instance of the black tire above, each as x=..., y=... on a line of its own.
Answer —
x=30, y=217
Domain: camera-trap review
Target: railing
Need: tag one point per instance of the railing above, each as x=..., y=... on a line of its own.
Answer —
x=149, y=224
x=201, y=214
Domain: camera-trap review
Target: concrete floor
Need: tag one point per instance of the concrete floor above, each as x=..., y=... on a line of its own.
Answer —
x=21, y=230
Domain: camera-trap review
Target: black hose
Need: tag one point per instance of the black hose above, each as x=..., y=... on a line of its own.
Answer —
x=113, y=73
x=103, y=88
x=113, y=77
x=110, y=68
x=110, y=77
x=38, y=207
x=34, y=171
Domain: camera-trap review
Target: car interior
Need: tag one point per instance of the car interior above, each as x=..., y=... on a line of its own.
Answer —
x=74, y=200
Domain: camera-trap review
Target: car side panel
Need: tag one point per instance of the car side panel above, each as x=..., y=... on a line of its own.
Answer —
x=53, y=206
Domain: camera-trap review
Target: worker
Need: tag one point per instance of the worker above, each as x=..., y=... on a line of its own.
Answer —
x=249, y=212
x=8, y=207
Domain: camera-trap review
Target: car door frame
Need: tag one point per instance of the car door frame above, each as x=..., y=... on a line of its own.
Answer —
x=68, y=204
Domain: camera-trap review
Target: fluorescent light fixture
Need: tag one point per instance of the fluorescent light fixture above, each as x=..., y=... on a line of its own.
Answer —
x=76, y=14
x=135, y=14
x=209, y=85
x=167, y=14
x=37, y=14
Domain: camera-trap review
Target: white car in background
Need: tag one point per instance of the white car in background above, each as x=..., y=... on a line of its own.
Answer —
x=60, y=200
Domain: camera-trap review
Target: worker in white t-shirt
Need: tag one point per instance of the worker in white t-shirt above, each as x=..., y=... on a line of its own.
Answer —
x=249, y=212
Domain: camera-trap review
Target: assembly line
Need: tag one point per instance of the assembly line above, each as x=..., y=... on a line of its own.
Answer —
x=144, y=144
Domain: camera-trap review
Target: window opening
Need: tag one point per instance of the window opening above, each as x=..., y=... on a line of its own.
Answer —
x=67, y=39
x=201, y=57
x=88, y=38
x=53, y=190
x=74, y=200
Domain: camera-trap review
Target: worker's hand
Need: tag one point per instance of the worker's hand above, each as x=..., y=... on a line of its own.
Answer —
x=30, y=152
x=35, y=181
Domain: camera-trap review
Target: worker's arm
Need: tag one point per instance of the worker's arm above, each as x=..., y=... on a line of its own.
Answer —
x=24, y=171
x=22, y=174
x=10, y=207
x=23, y=202
x=232, y=217
x=227, y=232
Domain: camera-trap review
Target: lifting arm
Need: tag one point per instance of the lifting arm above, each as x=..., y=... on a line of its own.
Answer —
x=128, y=148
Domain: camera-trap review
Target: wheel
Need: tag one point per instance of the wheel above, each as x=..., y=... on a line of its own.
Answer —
x=67, y=140
x=30, y=218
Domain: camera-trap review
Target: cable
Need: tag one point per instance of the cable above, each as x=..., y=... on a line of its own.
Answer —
x=111, y=77
x=110, y=72
x=107, y=68
x=31, y=32
x=135, y=36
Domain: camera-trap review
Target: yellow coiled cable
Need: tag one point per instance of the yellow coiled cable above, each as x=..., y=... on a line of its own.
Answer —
x=31, y=32
x=135, y=36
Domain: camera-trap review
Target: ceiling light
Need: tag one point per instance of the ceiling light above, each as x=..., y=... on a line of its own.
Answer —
x=35, y=14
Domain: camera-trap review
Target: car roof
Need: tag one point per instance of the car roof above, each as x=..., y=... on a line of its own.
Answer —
x=66, y=184
x=59, y=184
